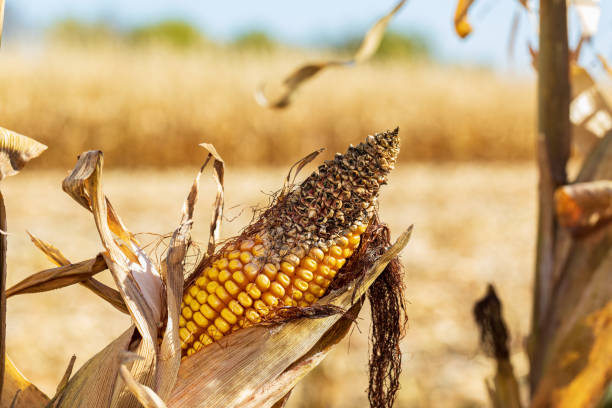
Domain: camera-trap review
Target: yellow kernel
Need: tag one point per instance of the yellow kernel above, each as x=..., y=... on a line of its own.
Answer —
x=309, y=264
x=246, y=245
x=245, y=257
x=277, y=289
x=287, y=268
x=205, y=339
x=303, y=303
x=183, y=346
x=193, y=291
x=223, y=295
x=235, y=265
x=187, y=299
x=335, y=251
x=283, y=279
x=187, y=313
x=232, y=288
x=240, y=278
x=305, y=274
x=235, y=254
x=319, y=280
x=309, y=297
x=215, y=302
x=194, y=305
x=332, y=273
x=250, y=270
x=253, y=316
x=315, y=289
x=244, y=299
x=301, y=285
x=340, y=263
x=197, y=346
x=354, y=241
x=201, y=297
x=324, y=270
x=296, y=294
x=347, y=252
x=261, y=307
x=329, y=261
x=200, y=319
x=292, y=259
x=253, y=291
x=325, y=283
x=361, y=229
x=213, y=273
x=212, y=286
x=270, y=271
x=229, y=317
x=191, y=326
x=258, y=250
x=184, y=334
x=262, y=282
x=235, y=307
x=342, y=242
x=224, y=275
x=317, y=254
x=208, y=312
x=182, y=321
x=269, y=299
x=214, y=332
x=222, y=263
x=190, y=352
x=202, y=281
x=287, y=301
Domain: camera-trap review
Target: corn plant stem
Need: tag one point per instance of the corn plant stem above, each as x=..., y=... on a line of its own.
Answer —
x=3, y=243
x=553, y=152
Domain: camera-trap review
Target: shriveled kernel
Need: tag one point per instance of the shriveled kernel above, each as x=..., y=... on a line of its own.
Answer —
x=269, y=299
x=194, y=305
x=193, y=291
x=184, y=334
x=253, y=291
x=287, y=268
x=342, y=242
x=201, y=297
x=212, y=286
x=213, y=273
x=246, y=245
x=245, y=257
x=251, y=270
x=309, y=263
x=335, y=251
x=283, y=279
x=329, y=261
x=223, y=295
x=261, y=307
x=216, y=303
x=301, y=285
x=222, y=263
x=270, y=271
x=277, y=289
x=240, y=278
x=292, y=259
x=214, y=332
x=235, y=254
x=309, y=297
x=205, y=339
x=258, y=250
x=317, y=254
x=191, y=326
x=244, y=299
x=252, y=316
x=232, y=288
x=208, y=312
x=224, y=275
x=236, y=308
x=187, y=313
x=305, y=274
x=235, y=265
x=229, y=316
x=262, y=281
x=200, y=320
x=325, y=283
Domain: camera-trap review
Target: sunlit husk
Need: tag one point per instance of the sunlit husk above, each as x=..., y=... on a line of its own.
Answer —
x=15, y=151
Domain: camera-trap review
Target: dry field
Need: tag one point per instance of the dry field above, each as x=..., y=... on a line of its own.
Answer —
x=474, y=223
x=149, y=108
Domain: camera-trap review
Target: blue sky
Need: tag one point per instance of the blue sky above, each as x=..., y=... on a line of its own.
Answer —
x=317, y=21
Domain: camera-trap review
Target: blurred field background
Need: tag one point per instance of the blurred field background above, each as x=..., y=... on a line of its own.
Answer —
x=148, y=97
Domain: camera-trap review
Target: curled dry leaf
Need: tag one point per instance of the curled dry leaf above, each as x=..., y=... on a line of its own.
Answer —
x=584, y=204
x=234, y=374
x=463, y=28
x=367, y=49
x=15, y=151
x=18, y=391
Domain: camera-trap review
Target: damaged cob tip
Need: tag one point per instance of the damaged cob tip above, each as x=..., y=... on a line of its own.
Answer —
x=291, y=253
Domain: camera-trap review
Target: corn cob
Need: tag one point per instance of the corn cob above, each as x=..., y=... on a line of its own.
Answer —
x=290, y=255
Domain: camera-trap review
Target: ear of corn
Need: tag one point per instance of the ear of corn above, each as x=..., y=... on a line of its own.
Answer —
x=290, y=255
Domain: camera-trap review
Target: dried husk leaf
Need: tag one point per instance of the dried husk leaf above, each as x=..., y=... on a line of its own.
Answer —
x=584, y=205
x=15, y=151
x=589, y=13
x=145, y=395
x=64, y=381
x=299, y=76
x=251, y=359
x=462, y=26
x=15, y=383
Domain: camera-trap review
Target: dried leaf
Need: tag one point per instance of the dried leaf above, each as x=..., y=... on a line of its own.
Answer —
x=145, y=395
x=298, y=166
x=64, y=381
x=589, y=13
x=234, y=364
x=604, y=63
x=584, y=204
x=54, y=278
x=217, y=216
x=15, y=151
x=14, y=382
x=462, y=26
x=367, y=49
x=54, y=254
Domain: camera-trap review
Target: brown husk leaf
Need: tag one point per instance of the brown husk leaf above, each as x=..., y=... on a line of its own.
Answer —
x=19, y=391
